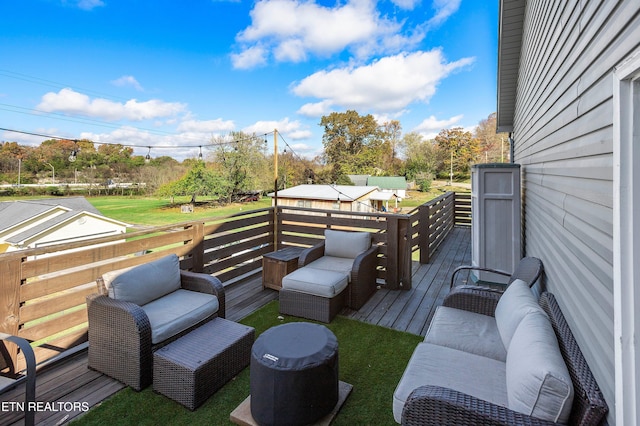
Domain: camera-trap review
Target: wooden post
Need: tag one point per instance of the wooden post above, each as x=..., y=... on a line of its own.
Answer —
x=197, y=251
x=424, y=219
x=404, y=253
x=10, y=300
x=393, y=281
x=275, y=189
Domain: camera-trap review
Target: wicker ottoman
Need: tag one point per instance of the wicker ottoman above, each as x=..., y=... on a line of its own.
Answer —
x=192, y=368
x=294, y=374
x=314, y=294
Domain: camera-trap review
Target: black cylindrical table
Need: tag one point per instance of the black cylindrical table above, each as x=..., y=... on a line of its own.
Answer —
x=294, y=374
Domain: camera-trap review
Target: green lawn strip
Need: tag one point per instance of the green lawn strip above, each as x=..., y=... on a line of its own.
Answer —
x=156, y=211
x=372, y=359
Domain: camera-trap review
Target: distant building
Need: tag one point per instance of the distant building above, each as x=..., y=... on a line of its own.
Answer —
x=328, y=197
x=394, y=184
x=37, y=223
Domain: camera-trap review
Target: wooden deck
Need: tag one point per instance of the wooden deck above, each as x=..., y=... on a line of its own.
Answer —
x=69, y=381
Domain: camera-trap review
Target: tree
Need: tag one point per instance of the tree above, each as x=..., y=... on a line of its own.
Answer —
x=353, y=144
x=198, y=181
x=494, y=146
x=459, y=146
x=392, y=131
x=242, y=163
x=420, y=159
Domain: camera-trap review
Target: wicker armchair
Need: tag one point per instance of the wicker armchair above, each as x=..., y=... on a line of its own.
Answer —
x=529, y=269
x=10, y=378
x=434, y=405
x=363, y=273
x=120, y=332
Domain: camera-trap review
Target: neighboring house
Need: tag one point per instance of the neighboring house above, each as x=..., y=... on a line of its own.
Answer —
x=37, y=223
x=394, y=184
x=328, y=197
x=569, y=94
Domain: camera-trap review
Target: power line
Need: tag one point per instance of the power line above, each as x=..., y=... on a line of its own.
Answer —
x=235, y=141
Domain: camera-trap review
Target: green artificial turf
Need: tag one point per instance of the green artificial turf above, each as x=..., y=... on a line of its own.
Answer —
x=372, y=359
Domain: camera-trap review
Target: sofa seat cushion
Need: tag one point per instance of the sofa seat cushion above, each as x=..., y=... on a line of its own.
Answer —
x=437, y=365
x=516, y=302
x=143, y=283
x=177, y=311
x=313, y=281
x=537, y=378
x=343, y=265
x=346, y=243
x=466, y=331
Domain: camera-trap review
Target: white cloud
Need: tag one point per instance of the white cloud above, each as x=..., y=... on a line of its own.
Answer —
x=290, y=129
x=317, y=109
x=69, y=101
x=293, y=29
x=249, y=58
x=179, y=146
x=386, y=85
x=85, y=4
x=127, y=80
x=443, y=9
x=430, y=127
x=405, y=4
x=207, y=126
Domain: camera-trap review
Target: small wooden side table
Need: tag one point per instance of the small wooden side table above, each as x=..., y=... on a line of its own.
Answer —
x=277, y=264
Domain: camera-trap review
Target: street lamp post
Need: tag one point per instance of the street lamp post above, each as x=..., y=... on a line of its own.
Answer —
x=53, y=173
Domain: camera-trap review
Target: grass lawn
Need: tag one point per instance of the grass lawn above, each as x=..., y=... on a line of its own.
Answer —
x=372, y=359
x=157, y=211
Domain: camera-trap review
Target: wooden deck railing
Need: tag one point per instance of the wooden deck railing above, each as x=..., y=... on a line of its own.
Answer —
x=43, y=290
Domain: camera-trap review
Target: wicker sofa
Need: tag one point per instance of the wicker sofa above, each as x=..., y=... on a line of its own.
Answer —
x=339, y=271
x=496, y=359
x=143, y=308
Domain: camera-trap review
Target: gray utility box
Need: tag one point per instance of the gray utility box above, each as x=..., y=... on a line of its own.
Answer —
x=495, y=219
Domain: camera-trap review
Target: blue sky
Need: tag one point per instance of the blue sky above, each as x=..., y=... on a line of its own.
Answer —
x=174, y=74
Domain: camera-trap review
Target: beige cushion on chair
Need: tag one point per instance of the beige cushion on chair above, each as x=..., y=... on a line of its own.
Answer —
x=516, y=302
x=346, y=243
x=332, y=263
x=472, y=374
x=538, y=381
x=314, y=281
x=178, y=311
x=466, y=331
x=143, y=283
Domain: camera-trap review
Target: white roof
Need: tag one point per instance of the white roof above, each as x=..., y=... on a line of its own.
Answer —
x=326, y=192
x=383, y=196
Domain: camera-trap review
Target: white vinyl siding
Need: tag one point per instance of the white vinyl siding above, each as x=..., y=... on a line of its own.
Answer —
x=563, y=132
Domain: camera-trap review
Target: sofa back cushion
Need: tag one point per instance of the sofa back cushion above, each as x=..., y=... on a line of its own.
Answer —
x=346, y=243
x=516, y=302
x=538, y=381
x=143, y=283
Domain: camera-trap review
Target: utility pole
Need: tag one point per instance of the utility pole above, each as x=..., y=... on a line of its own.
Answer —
x=451, y=170
x=275, y=191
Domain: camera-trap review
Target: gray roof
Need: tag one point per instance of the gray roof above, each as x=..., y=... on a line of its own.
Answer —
x=326, y=192
x=21, y=236
x=511, y=22
x=13, y=213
